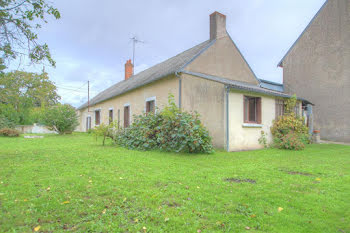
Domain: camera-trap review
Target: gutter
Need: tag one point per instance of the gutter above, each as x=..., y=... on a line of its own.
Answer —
x=180, y=88
x=227, y=88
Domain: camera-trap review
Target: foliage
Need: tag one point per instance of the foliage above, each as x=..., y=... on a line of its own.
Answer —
x=20, y=21
x=59, y=179
x=101, y=130
x=263, y=140
x=291, y=141
x=289, y=130
x=62, y=118
x=23, y=95
x=6, y=123
x=7, y=132
x=169, y=130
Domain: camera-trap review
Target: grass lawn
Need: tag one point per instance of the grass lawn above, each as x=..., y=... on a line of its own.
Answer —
x=72, y=183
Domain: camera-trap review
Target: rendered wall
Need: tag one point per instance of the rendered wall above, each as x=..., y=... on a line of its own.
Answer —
x=245, y=138
x=137, y=100
x=223, y=59
x=318, y=69
x=207, y=98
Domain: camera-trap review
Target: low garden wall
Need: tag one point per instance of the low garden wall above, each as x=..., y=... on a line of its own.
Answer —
x=36, y=128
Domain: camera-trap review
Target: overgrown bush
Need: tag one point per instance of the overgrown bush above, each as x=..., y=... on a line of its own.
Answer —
x=289, y=131
x=7, y=132
x=6, y=123
x=168, y=130
x=62, y=118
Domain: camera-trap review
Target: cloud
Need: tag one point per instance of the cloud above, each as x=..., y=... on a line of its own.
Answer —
x=92, y=39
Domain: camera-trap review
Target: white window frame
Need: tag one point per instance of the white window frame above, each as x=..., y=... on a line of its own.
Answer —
x=153, y=98
x=130, y=114
x=112, y=114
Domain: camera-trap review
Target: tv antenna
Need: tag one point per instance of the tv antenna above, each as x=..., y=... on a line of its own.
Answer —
x=135, y=40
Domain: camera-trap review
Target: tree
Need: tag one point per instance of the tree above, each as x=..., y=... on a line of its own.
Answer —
x=62, y=118
x=19, y=22
x=21, y=91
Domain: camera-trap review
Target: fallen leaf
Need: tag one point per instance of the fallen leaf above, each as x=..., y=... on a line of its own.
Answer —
x=247, y=228
x=166, y=219
x=65, y=202
x=253, y=216
x=280, y=209
x=37, y=228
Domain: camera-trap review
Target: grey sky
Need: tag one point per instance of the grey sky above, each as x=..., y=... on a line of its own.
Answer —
x=92, y=39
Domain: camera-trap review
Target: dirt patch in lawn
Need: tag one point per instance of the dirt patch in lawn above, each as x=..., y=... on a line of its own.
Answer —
x=298, y=173
x=238, y=180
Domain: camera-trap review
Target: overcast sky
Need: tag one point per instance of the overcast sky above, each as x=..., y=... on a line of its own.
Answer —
x=91, y=41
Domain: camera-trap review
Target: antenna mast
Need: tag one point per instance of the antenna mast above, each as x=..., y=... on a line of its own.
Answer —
x=134, y=41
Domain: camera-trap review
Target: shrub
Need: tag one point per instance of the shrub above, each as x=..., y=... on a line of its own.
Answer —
x=169, y=130
x=289, y=130
x=6, y=123
x=7, y=132
x=62, y=118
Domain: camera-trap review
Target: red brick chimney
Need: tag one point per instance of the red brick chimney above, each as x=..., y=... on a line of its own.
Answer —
x=129, y=68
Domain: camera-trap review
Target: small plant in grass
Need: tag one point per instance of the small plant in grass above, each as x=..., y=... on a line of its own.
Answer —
x=263, y=139
x=168, y=130
x=289, y=131
x=101, y=131
x=62, y=118
x=7, y=132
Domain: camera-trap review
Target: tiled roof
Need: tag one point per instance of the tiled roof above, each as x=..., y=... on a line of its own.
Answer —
x=161, y=70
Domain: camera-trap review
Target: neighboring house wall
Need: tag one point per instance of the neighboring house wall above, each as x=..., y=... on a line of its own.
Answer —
x=245, y=136
x=317, y=68
x=136, y=99
x=207, y=98
x=223, y=59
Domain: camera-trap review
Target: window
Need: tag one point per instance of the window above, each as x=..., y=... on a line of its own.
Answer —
x=150, y=106
x=252, y=110
x=126, y=116
x=97, y=117
x=279, y=108
x=110, y=116
x=118, y=118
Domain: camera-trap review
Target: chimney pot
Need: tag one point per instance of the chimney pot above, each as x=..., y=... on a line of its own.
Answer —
x=217, y=25
x=129, y=69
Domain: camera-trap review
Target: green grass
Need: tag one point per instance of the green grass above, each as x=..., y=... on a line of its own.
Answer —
x=109, y=189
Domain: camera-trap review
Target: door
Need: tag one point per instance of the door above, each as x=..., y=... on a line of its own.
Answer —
x=88, y=123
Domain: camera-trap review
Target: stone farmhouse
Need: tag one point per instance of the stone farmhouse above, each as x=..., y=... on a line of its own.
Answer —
x=317, y=67
x=212, y=78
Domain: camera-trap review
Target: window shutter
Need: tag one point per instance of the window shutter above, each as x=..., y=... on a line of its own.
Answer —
x=258, y=110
